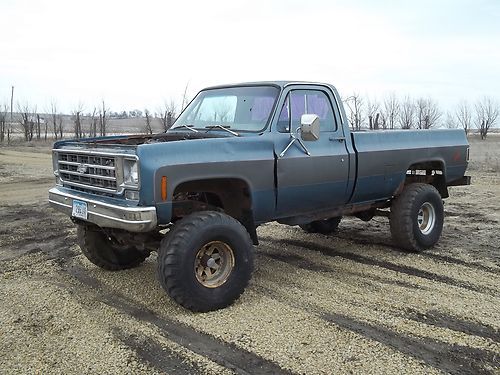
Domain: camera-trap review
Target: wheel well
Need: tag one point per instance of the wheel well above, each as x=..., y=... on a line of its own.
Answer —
x=429, y=172
x=230, y=195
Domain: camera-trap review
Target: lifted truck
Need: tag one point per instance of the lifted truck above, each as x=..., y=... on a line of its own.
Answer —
x=239, y=156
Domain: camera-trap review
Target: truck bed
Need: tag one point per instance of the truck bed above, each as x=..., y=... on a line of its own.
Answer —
x=384, y=157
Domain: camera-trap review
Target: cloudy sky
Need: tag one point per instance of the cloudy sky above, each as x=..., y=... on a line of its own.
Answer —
x=138, y=54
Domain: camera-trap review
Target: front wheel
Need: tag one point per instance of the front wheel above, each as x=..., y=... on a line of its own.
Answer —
x=206, y=261
x=417, y=217
x=104, y=251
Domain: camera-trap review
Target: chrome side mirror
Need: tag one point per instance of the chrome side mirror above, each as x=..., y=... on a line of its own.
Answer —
x=309, y=127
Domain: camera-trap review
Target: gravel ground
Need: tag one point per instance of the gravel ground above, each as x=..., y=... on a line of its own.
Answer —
x=350, y=303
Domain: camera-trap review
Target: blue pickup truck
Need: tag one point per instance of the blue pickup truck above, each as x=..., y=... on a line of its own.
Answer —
x=239, y=156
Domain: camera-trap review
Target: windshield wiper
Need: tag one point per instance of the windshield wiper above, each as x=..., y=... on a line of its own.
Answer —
x=190, y=127
x=218, y=126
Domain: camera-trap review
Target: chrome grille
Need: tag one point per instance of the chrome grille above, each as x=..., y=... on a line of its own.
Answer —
x=95, y=173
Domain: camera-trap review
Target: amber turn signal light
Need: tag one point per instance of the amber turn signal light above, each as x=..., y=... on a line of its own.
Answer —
x=164, y=188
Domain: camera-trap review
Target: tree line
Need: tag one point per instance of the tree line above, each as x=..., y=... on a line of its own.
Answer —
x=394, y=112
x=78, y=124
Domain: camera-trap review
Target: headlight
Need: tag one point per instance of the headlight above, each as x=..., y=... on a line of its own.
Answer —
x=130, y=172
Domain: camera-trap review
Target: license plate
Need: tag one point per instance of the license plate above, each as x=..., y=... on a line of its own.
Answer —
x=79, y=209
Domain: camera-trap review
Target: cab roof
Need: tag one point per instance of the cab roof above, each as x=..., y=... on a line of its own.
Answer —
x=280, y=84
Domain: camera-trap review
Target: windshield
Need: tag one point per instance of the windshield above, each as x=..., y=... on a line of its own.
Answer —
x=235, y=108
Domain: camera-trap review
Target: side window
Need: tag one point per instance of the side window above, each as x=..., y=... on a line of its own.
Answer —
x=300, y=102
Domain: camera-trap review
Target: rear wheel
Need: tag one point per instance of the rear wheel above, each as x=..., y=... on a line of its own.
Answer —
x=206, y=261
x=417, y=217
x=327, y=226
x=104, y=251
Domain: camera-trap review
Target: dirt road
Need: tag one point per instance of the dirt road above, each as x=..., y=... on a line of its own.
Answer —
x=349, y=303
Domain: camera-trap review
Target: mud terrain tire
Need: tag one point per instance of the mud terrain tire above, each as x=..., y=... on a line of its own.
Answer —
x=106, y=253
x=417, y=217
x=206, y=261
x=327, y=226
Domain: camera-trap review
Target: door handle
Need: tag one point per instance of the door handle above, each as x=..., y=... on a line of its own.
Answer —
x=338, y=139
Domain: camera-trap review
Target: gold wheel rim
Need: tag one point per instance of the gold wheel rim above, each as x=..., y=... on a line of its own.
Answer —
x=213, y=264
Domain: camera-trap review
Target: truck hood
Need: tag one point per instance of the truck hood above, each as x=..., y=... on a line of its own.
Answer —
x=139, y=139
x=128, y=143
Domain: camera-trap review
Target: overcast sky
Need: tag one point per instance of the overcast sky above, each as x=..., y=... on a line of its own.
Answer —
x=138, y=54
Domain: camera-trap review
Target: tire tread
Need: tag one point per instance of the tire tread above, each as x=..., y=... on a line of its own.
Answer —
x=171, y=254
x=401, y=223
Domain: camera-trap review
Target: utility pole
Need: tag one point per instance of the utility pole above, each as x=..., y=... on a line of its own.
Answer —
x=11, y=102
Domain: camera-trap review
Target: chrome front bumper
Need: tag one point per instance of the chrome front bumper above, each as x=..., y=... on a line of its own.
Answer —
x=106, y=215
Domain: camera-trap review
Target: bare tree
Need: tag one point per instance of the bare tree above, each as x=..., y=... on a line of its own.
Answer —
x=103, y=120
x=163, y=119
x=77, y=121
x=382, y=120
x=33, y=122
x=38, y=126
x=420, y=112
x=93, y=123
x=355, y=106
x=391, y=111
x=427, y=113
x=26, y=121
x=406, y=118
x=487, y=111
x=373, y=111
x=4, y=110
x=167, y=114
x=147, y=126
x=46, y=128
x=433, y=114
x=53, y=117
x=450, y=121
x=463, y=115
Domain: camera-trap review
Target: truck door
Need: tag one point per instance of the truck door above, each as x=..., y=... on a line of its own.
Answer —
x=319, y=181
